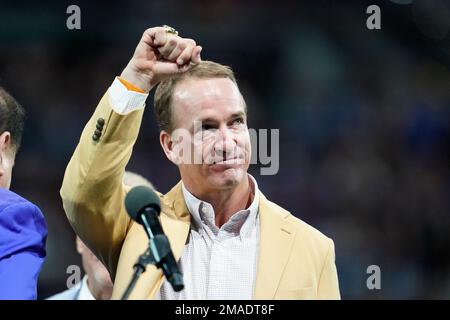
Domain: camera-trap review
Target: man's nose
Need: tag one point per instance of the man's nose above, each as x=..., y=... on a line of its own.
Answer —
x=225, y=141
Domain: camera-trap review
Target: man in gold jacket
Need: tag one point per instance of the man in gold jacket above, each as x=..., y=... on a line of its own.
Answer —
x=230, y=241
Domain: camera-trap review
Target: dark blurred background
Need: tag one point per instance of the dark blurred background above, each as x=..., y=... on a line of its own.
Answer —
x=363, y=118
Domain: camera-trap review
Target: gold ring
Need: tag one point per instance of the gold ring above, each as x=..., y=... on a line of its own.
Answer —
x=170, y=30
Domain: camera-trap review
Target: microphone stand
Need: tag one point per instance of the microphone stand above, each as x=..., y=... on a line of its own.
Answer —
x=160, y=247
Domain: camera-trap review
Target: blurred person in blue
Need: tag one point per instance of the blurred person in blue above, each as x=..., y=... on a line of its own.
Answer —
x=23, y=230
x=96, y=283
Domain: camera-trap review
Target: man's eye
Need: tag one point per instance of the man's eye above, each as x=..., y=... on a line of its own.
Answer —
x=207, y=127
x=238, y=121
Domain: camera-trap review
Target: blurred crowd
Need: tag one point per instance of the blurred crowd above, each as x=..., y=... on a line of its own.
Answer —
x=364, y=120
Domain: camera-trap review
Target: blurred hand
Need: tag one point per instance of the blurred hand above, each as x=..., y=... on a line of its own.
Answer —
x=159, y=55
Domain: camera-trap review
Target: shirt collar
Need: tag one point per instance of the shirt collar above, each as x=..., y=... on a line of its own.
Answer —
x=202, y=212
x=85, y=293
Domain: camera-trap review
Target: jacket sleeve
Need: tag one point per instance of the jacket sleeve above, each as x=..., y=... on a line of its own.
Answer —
x=328, y=287
x=23, y=234
x=92, y=191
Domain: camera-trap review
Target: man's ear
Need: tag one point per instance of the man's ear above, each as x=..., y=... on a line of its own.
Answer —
x=5, y=141
x=165, y=139
x=80, y=245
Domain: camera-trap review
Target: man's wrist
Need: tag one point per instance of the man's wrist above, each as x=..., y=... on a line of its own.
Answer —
x=135, y=79
x=130, y=86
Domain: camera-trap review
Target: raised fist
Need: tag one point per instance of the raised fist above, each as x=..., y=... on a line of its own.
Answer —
x=159, y=55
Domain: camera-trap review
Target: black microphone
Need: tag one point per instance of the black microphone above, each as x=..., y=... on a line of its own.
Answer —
x=143, y=206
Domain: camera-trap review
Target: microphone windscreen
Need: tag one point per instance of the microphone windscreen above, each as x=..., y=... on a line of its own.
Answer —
x=138, y=198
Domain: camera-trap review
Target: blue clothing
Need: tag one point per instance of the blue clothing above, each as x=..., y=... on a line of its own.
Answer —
x=23, y=233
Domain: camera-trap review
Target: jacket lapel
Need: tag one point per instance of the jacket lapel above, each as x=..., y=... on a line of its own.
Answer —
x=176, y=223
x=177, y=220
x=276, y=240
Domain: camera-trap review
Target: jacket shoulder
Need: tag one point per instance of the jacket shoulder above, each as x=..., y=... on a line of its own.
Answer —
x=305, y=232
x=11, y=202
x=8, y=197
x=21, y=223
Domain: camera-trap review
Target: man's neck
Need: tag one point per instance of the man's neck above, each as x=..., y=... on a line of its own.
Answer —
x=98, y=291
x=228, y=201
